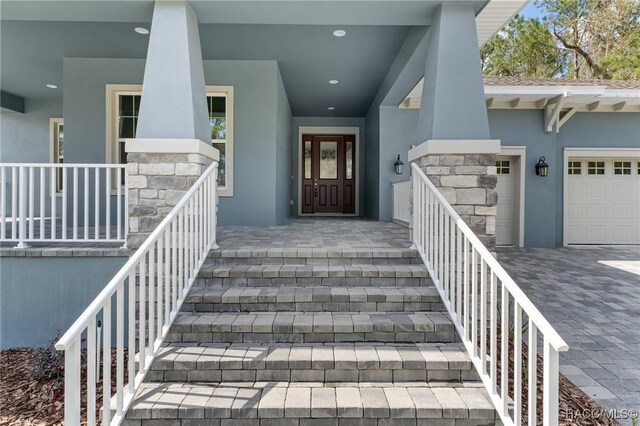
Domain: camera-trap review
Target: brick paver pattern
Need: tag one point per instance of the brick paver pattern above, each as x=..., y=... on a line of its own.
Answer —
x=590, y=295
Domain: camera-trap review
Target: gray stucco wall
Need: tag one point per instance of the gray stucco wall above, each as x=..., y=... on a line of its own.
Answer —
x=362, y=153
x=544, y=196
x=372, y=200
x=397, y=126
x=40, y=296
x=257, y=105
x=284, y=177
x=25, y=137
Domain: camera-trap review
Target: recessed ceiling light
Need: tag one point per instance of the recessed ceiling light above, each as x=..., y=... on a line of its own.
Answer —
x=339, y=33
x=141, y=30
x=52, y=86
x=333, y=81
x=331, y=108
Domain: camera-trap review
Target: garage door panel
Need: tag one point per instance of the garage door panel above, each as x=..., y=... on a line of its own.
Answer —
x=603, y=208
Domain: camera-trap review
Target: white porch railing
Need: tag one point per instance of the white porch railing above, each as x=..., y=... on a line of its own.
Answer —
x=63, y=203
x=148, y=291
x=401, y=192
x=482, y=301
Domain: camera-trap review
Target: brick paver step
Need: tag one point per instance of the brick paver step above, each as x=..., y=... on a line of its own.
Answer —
x=313, y=256
x=277, y=403
x=312, y=327
x=306, y=299
x=244, y=275
x=300, y=362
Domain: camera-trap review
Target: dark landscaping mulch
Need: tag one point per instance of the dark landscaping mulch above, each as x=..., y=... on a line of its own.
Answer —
x=29, y=398
x=576, y=408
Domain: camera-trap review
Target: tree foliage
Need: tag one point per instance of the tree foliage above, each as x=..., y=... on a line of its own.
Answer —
x=523, y=49
x=574, y=39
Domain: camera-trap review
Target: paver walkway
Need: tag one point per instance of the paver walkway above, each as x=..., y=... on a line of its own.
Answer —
x=325, y=233
x=592, y=297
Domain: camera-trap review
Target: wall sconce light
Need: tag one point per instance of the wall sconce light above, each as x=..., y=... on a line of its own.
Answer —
x=398, y=165
x=542, y=168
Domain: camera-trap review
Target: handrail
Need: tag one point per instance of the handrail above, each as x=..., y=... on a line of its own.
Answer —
x=156, y=278
x=466, y=274
x=54, y=202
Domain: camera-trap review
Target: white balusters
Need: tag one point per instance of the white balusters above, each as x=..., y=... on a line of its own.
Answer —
x=152, y=284
x=486, y=307
x=26, y=216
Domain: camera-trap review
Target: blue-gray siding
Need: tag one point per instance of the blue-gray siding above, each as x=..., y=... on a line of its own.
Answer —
x=41, y=296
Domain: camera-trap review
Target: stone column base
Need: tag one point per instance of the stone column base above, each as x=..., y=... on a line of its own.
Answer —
x=465, y=173
x=160, y=172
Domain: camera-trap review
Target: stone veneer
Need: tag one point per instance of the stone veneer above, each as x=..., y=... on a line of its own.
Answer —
x=468, y=182
x=157, y=181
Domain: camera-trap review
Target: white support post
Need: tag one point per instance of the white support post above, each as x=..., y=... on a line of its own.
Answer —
x=22, y=211
x=550, y=383
x=72, y=383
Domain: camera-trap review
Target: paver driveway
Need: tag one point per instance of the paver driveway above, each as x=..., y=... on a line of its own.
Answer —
x=592, y=297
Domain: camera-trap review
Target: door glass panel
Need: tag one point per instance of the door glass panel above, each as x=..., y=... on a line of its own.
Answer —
x=328, y=160
x=349, y=160
x=307, y=159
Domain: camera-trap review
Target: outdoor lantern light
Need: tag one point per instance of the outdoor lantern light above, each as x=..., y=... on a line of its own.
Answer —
x=542, y=168
x=398, y=165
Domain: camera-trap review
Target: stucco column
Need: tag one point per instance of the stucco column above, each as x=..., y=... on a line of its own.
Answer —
x=173, y=139
x=454, y=148
x=174, y=103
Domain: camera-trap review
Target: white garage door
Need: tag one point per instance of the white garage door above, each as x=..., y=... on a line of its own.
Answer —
x=505, y=233
x=603, y=201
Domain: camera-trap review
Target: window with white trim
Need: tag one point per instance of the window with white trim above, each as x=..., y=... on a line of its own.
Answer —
x=57, y=147
x=575, y=167
x=622, y=167
x=124, y=104
x=595, y=168
x=220, y=109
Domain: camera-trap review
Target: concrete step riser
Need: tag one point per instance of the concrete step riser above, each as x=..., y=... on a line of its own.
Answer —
x=313, y=281
x=315, y=307
x=182, y=373
x=347, y=404
x=310, y=422
x=313, y=337
x=313, y=261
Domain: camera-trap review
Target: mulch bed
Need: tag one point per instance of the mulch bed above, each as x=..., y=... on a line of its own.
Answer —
x=29, y=399
x=576, y=408
x=25, y=401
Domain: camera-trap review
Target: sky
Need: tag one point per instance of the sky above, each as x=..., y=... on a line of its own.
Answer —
x=531, y=11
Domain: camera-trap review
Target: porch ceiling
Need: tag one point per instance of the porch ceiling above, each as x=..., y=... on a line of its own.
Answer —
x=37, y=35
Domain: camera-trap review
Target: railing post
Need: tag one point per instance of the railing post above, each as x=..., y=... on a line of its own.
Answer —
x=72, y=384
x=22, y=194
x=550, y=383
x=213, y=208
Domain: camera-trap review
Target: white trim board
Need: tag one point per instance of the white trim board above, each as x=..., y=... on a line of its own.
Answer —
x=587, y=152
x=520, y=153
x=468, y=146
x=320, y=130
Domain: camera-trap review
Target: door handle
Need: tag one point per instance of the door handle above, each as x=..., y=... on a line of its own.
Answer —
x=315, y=192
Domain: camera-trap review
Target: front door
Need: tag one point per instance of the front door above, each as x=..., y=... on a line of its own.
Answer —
x=328, y=174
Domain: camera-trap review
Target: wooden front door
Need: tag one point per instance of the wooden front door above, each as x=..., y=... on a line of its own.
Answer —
x=328, y=174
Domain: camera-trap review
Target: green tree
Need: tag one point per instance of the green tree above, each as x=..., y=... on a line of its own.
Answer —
x=600, y=36
x=524, y=48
